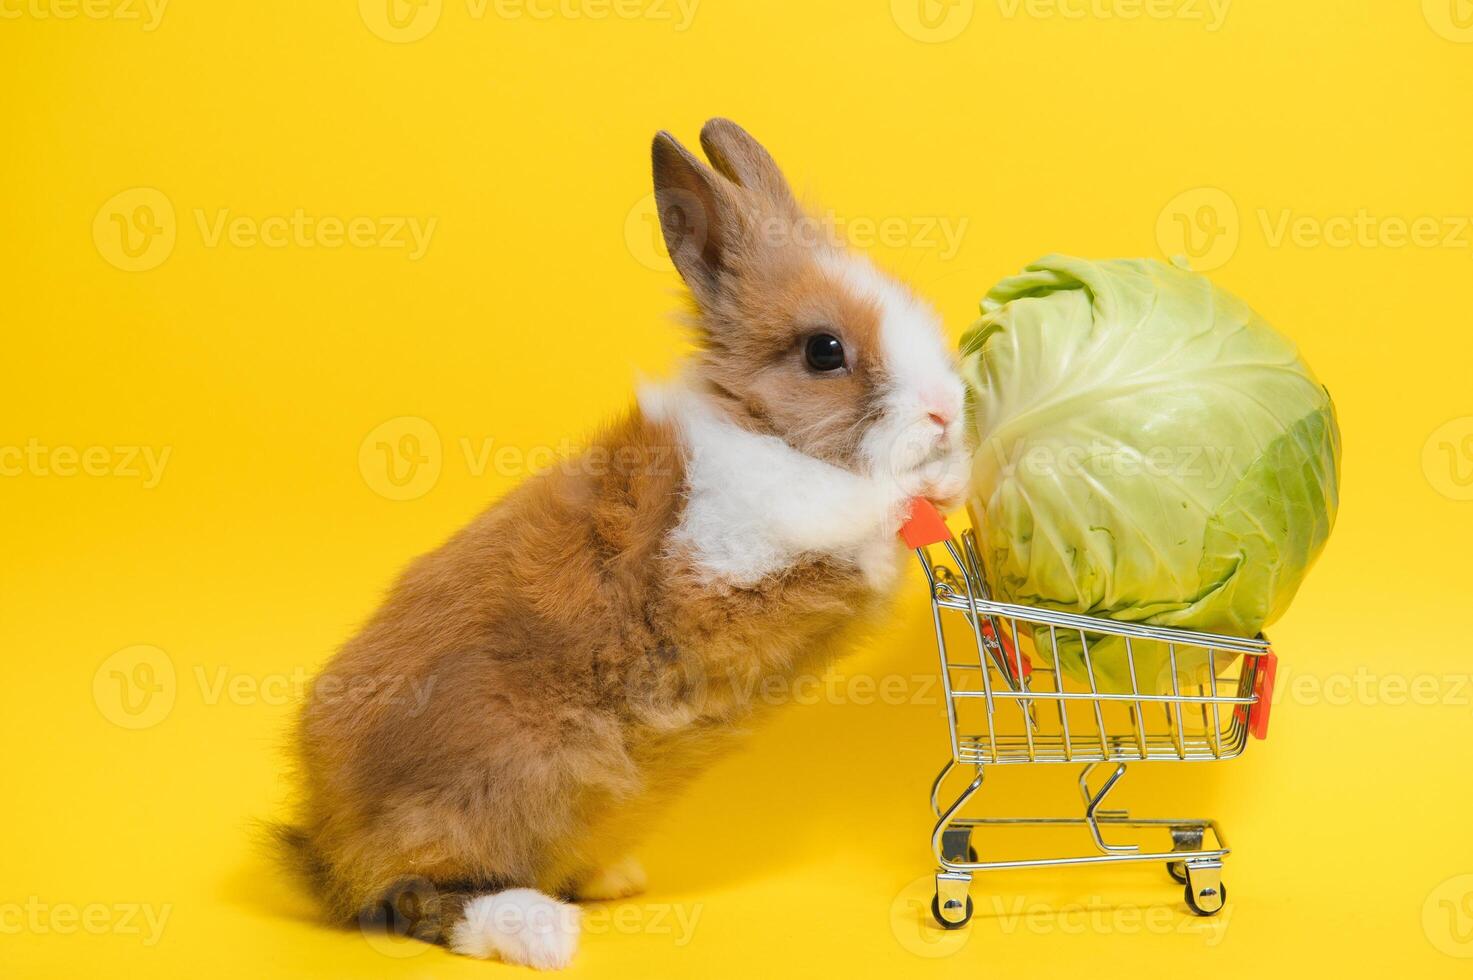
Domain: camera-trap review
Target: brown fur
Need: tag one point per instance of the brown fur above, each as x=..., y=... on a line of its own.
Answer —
x=579, y=669
x=579, y=675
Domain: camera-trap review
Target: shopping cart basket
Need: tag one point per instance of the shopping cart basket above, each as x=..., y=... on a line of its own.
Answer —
x=1007, y=707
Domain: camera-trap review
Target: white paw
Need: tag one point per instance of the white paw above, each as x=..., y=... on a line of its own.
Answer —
x=521, y=926
x=942, y=480
x=619, y=880
x=953, y=477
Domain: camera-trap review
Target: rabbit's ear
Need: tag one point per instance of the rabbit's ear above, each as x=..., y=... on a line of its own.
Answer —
x=699, y=217
x=744, y=161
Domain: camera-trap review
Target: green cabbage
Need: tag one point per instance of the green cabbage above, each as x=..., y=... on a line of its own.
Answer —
x=1148, y=449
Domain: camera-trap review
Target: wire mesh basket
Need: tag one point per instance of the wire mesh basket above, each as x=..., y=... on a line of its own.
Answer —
x=1038, y=686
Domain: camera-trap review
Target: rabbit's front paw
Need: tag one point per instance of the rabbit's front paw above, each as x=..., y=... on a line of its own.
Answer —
x=942, y=480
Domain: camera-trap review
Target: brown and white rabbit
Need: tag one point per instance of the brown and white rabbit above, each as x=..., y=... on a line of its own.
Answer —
x=590, y=641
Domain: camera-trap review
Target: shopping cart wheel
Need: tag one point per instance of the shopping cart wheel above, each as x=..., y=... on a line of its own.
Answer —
x=1205, y=892
x=945, y=923
x=1178, y=871
x=1206, y=901
x=1206, y=905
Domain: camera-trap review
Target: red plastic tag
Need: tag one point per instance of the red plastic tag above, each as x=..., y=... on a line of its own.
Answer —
x=1010, y=657
x=1263, y=687
x=924, y=526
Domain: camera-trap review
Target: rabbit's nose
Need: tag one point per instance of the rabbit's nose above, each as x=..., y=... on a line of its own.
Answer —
x=942, y=405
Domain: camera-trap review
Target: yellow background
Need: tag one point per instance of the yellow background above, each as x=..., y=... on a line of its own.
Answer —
x=263, y=370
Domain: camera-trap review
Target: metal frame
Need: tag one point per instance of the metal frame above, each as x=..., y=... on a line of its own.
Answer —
x=1026, y=719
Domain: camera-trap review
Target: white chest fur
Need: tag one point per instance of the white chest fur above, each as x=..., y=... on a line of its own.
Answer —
x=756, y=506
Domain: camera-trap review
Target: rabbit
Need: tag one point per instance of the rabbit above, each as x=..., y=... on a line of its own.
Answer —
x=588, y=643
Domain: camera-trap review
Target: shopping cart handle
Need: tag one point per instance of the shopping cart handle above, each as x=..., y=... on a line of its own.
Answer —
x=924, y=526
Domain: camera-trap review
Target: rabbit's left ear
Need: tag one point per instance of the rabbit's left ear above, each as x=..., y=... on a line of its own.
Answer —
x=745, y=162
x=701, y=218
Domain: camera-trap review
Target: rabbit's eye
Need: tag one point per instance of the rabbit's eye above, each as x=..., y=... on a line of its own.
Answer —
x=824, y=352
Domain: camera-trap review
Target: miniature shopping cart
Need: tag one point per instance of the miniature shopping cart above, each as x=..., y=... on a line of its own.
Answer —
x=1007, y=707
